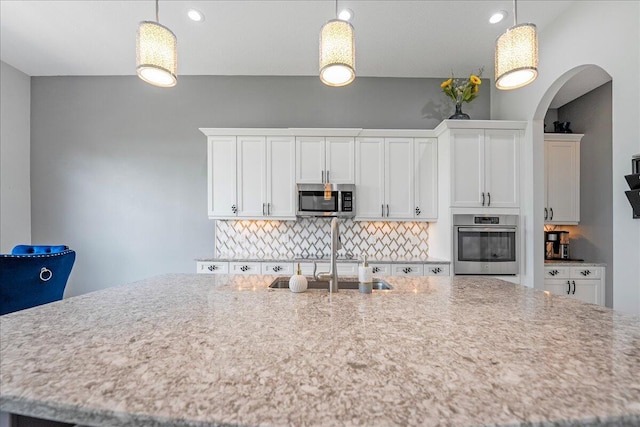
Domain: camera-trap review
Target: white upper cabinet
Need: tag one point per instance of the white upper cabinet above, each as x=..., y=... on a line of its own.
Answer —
x=222, y=176
x=251, y=177
x=281, y=197
x=562, y=178
x=252, y=174
x=485, y=167
x=426, y=178
x=396, y=179
x=399, y=178
x=321, y=160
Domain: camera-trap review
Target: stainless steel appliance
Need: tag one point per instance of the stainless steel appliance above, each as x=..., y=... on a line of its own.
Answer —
x=326, y=200
x=486, y=244
x=556, y=244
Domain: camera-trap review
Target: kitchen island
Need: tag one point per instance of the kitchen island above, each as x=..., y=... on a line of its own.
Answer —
x=196, y=350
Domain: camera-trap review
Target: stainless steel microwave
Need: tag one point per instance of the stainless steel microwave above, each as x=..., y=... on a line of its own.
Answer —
x=326, y=200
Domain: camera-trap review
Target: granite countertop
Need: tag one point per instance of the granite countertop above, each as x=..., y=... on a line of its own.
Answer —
x=382, y=260
x=196, y=350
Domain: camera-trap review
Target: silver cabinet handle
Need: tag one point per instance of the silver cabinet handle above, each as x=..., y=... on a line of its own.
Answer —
x=387, y=210
x=569, y=290
x=546, y=212
x=382, y=213
x=483, y=198
x=551, y=210
x=268, y=208
x=328, y=176
x=263, y=209
x=574, y=287
x=489, y=196
x=323, y=177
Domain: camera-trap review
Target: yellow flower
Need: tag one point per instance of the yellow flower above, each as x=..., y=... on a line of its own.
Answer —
x=446, y=83
x=475, y=79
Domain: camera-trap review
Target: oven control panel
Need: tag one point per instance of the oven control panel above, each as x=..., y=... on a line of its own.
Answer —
x=492, y=220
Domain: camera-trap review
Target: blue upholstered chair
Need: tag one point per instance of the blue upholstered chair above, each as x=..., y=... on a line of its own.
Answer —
x=33, y=275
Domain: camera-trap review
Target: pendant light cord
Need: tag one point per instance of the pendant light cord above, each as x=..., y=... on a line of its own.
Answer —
x=157, y=18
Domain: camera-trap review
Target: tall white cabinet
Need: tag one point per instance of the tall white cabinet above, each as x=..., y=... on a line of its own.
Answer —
x=562, y=178
x=485, y=167
x=396, y=178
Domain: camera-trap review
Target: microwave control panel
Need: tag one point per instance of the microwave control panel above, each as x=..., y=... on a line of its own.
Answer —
x=347, y=201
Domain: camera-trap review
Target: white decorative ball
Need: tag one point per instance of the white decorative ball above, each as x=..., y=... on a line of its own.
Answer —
x=297, y=283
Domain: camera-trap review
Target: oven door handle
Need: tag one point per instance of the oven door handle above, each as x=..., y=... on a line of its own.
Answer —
x=486, y=229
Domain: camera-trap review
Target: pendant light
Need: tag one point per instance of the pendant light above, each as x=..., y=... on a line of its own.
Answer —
x=516, y=55
x=156, y=53
x=337, y=52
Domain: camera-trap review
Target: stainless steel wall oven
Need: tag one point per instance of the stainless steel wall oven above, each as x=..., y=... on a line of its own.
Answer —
x=486, y=244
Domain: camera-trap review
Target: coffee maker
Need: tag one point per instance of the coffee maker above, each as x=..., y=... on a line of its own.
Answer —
x=556, y=244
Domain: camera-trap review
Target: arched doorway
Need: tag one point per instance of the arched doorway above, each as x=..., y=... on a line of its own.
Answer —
x=583, y=97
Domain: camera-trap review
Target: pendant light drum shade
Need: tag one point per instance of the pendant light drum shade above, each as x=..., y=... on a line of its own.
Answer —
x=156, y=54
x=337, y=53
x=516, y=57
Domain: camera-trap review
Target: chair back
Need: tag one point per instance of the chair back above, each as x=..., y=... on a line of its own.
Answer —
x=33, y=275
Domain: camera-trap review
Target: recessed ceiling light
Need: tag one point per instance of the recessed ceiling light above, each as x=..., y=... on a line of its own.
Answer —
x=497, y=17
x=195, y=15
x=345, y=15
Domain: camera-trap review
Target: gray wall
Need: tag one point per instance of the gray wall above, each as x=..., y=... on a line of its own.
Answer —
x=592, y=240
x=119, y=166
x=15, y=195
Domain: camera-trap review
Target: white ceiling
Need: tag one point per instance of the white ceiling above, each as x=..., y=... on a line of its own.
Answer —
x=394, y=38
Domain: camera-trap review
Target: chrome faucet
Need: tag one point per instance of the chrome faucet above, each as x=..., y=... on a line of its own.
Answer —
x=332, y=275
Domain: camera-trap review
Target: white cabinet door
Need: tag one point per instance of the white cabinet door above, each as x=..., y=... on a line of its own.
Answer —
x=426, y=178
x=340, y=160
x=310, y=160
x=222, y=177
x=562, y=182
x=370, y=178
x=252, y=186
x=485, y=167
x=501, y=171
x=398, y=182
x=558, y=286
x=281, y=158
x=586, y=291
x=467, y=167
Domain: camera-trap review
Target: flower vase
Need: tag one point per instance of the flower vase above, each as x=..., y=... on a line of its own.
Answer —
x=459, y=115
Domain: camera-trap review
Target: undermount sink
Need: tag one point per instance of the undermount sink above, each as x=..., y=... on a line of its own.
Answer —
x=377, y=284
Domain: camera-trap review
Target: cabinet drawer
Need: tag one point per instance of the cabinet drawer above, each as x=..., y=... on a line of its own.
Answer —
x=436, y=269
x=557, y=272
x=381, y=269
x=344, y=269
x=278, y=268
x=212, y=267
x=407, y=270
x=244, y=268
x=586, y=272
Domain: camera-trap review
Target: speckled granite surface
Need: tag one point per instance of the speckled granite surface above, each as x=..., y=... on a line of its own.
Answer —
x=549, y=262
x=195, y=350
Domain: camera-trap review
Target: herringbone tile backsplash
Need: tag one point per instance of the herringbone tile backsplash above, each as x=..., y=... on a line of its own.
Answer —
x=311, y=237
